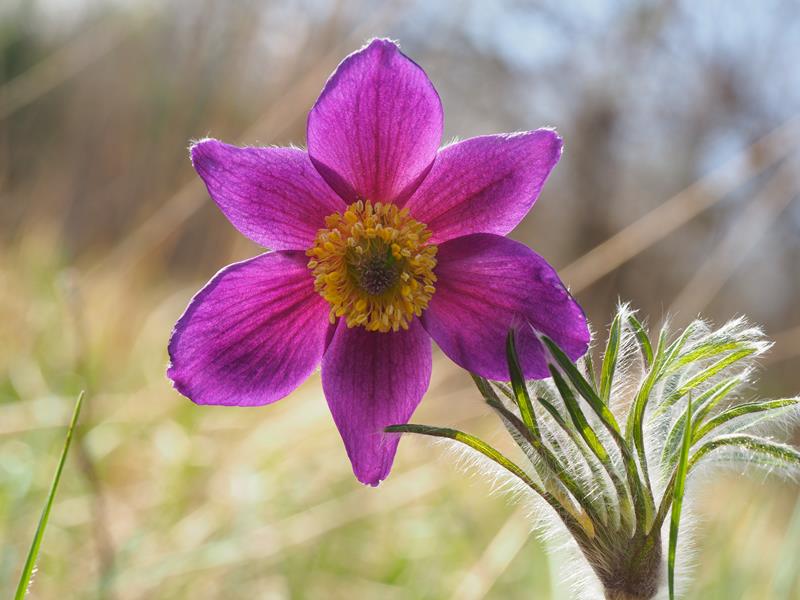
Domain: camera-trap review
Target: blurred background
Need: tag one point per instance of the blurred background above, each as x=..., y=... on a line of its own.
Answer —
x=678, y=191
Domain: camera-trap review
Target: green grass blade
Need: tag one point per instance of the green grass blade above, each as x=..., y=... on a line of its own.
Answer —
x=643, y=338
x=610, y=359
x=739, y=411
x=521, y=395
x=677, y=501
x=33, y=553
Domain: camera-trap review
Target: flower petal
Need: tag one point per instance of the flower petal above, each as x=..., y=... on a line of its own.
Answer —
x=274, y=196
x=251, y=335
x=488, y=284
x=373, y=380
x=485, y=184
x=375, y=129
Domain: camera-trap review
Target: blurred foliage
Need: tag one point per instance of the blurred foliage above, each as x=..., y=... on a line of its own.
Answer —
x=105, y=233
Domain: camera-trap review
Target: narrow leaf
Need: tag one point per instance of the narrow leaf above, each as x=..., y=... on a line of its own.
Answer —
x=643, y=338
x=468, y=440
x=781, y=452
x=739, y=411
x=706, y=400
x=610, y=360
x=703, y=376
x=578, y=418
x=677, y=501
x=518, y=385
x=713, y=396
x=33, y=553
x=582, y=386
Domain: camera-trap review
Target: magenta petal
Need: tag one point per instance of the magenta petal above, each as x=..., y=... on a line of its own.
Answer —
x=485, y=184
x=274, y=196
x=375, y=129
x=373, y=380
x=488, y=284
x=251, y=335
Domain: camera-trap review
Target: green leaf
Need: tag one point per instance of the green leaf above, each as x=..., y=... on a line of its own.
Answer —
x=547, y=465
x=587, y=454
x=518, y=385
x=586, y=432
x=582, y=386
x=588, y=366
x=33, y=553
x=643, y=338
x=713, y=396
x=705, y=401
x=705, y=351
x=471, y=441
x=739, y=411
x=633, y=428
x=576, y=528
x=677, y=501
x=610, y=360
x=783, y=453
x=702, y=377
x=642, y=504
x=675, y=347
x=578, y=418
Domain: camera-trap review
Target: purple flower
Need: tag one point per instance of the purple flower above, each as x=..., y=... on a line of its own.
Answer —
x=379, y=239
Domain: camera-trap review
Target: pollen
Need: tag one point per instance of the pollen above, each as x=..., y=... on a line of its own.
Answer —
x=374, y=266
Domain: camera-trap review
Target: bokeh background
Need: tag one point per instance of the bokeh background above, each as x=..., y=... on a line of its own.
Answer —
x=678, y=191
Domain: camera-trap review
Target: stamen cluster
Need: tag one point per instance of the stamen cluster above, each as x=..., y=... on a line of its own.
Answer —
x=373, y=265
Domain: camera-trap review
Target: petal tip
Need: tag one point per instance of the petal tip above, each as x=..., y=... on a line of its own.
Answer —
x=202, y=150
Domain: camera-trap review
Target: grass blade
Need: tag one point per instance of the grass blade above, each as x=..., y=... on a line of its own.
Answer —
x=33, y=553
x=677, y=500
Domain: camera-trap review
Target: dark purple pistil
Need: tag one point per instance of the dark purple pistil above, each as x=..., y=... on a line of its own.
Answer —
x=377, y=275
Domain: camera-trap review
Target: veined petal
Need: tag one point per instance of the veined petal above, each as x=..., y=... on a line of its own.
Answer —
x=251, y=335
x=485, y=184
x=489, y=284
x=274, y=196
x=375, y=129
x=373, y=380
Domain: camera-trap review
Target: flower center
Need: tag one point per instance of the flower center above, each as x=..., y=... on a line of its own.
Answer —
x=373, y=266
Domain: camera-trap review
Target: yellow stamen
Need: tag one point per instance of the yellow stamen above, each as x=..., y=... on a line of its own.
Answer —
x=373, y=266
